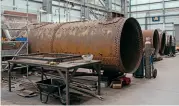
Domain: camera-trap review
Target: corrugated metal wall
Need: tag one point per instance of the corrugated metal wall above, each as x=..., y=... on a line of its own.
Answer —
x=177, y=33
x=141, y=8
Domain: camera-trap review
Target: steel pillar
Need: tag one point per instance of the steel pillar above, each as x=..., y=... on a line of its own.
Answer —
x=123, y=7
x=84, y=10
x=14, y=4
x=163, y=14
x=59, y=11
x=129, y=8
x=146, y=23
x=108, y=4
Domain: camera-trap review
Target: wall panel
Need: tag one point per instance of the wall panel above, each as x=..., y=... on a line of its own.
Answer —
x=170, y=32
x=134, y=2
x=141, y=21
x=142, y=27
x=7, y=2
x=174, y=19
x=141, y=14
x=156, y=9
x=172, y=4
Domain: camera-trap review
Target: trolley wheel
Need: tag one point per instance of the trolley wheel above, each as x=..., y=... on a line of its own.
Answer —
x=63, y=101
x=154, y=73
x=46, y=100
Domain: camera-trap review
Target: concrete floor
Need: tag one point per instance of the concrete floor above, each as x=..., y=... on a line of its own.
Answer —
x=164, y=90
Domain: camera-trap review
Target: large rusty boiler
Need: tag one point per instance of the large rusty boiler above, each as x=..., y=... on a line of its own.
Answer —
x=154, y=36
x=117, y=42
x=168, y=43
x=169, y=40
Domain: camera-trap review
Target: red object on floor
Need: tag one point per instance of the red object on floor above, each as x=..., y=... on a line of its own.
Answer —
x=125, y=80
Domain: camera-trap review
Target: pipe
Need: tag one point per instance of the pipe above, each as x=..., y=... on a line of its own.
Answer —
x=155, y=40
x=6, y=31
x=7, y=34
x=116, y=42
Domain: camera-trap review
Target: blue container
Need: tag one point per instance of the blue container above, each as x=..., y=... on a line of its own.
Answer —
x=21, y=39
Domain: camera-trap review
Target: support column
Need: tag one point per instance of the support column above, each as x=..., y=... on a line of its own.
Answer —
x=14, y=4
x=59, y=11
x=84, y=10
x=146, y=23
x=163, y=14
x=123, y=7
x=146, y=20
x=129, y=8
x=108, y=4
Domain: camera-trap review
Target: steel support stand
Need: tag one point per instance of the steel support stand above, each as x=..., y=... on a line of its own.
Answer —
x=99, y=79
x=98, y=70
x=67, y=88
x=73, y=73
x=9, y=74
x=42, y=74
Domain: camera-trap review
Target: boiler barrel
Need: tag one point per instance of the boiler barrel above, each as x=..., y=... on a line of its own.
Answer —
x=117, y=42
x=154, y=36
x=162, y=42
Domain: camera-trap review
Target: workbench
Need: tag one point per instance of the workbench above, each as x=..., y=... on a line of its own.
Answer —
x=66, y=67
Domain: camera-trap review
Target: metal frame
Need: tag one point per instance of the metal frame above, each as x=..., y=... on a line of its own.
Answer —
x=153, y=3
x=154, y=10
x=58, y=57
x=157, y=23
x=17, y=53
x=172, y=15
x=25, y=42
x=67, y=78
x=87, y=6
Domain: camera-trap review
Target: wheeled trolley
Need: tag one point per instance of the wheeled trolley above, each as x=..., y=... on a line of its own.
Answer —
x=154, y=70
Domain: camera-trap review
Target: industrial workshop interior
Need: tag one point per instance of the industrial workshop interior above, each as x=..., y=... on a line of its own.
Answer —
x=89, y=52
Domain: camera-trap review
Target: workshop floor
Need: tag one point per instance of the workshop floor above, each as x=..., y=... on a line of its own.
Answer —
x=164, y=90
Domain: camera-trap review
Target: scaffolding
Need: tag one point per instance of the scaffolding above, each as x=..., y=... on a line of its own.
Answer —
x=24, y=44
x=100, y=10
